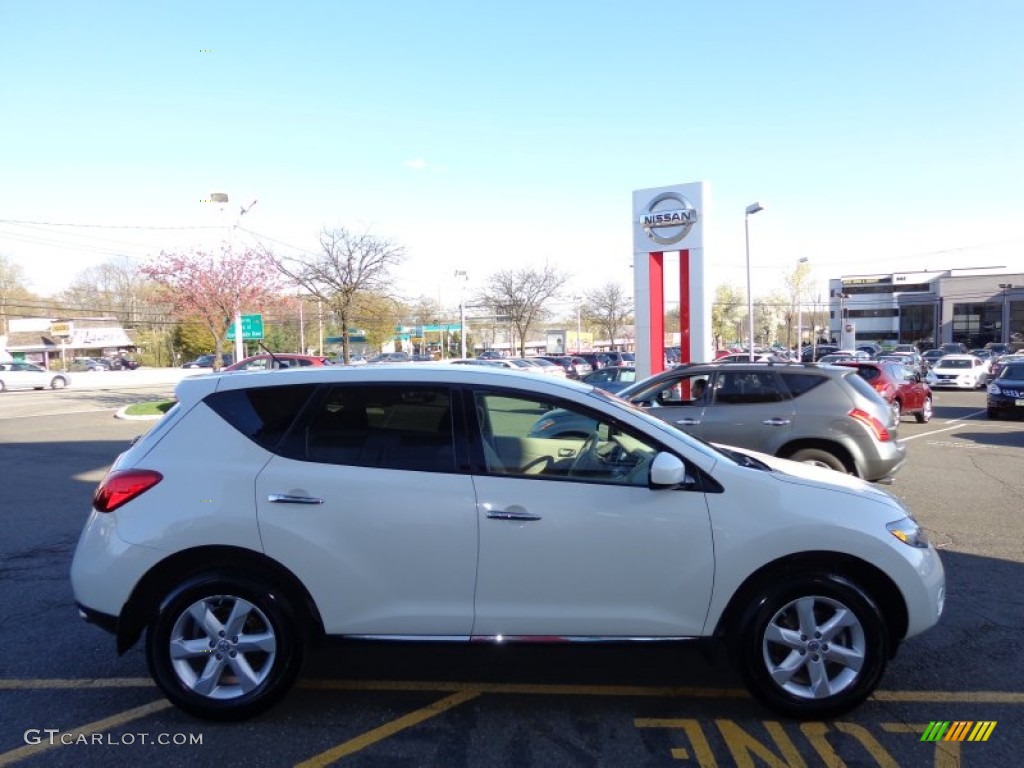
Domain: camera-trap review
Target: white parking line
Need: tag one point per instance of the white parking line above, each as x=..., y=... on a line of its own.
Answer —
x=947, y=429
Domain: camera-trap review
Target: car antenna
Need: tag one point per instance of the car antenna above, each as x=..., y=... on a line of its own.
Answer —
x=277, y=362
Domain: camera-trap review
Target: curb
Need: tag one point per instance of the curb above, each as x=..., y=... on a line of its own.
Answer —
x=122, y=414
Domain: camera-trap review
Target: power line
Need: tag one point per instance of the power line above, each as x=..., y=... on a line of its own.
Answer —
x=110, y=226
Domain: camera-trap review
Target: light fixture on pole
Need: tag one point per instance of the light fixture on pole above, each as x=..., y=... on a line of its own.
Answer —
x=1006, y=315
x=751, y=209
x=462, y=311
x=799, y=309
x=579, y=324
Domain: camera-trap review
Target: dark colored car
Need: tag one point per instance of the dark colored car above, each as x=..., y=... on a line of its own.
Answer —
x=901, y=387
x=931, y=357
x=1001, y=362
x=122, y=363
x=613, y=378
x=206, y=361
x=811, y=354
x=821, y=414
x=1006, y=392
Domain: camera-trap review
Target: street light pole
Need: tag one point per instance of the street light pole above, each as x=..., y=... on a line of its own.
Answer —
x=579, y=324
x=799, y=310
x=462, y=311
x=1006, y=314
x=751, y=209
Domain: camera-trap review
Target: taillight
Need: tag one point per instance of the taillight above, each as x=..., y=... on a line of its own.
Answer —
x=880, y=430
x=122, y=486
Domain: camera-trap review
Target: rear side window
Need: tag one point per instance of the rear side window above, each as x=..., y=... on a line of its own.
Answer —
x=748, y=387
x=802, y=383
x=868, y=373
x=391, y=427
x=263, y=414
x=861, y=386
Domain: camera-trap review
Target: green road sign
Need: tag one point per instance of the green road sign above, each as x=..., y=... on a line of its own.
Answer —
x=252, y=328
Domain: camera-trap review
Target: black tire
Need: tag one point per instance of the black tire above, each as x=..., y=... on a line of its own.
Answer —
x=58, y=382
x=819, y=457
x=925, y=414
x=992, y=413
x=273, y=652
x=897, y=410
x=862, y=639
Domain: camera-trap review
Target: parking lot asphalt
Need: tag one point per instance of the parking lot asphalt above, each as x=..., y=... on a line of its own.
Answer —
x=67, y=699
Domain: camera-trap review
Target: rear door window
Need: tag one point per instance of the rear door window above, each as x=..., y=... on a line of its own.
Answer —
x=405, y=427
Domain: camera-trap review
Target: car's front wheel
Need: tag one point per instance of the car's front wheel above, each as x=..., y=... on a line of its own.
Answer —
x=812, y=646
x=58, y=382
x=224, y=648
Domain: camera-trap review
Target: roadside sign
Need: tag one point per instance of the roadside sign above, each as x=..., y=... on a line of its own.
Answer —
x=252, y=328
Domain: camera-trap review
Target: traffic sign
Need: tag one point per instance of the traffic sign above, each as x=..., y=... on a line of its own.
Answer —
x=252, y=328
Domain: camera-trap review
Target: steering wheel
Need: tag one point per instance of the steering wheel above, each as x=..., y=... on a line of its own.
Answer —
x=587, y=458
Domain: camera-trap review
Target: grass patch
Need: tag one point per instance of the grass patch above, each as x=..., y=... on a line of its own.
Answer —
x=152, y=408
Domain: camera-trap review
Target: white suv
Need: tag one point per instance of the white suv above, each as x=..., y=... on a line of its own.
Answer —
x=269, y=510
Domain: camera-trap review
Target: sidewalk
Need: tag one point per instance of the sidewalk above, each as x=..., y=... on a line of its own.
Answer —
x=140, y=377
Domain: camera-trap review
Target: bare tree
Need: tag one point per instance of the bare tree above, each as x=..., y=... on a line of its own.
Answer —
x=211, y=290
x=609, y=308
x=11, y=285
x=116, y=287
x=348, y=265
x=521, y=294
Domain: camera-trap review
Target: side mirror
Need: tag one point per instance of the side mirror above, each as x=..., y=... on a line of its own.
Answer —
x=668, y=471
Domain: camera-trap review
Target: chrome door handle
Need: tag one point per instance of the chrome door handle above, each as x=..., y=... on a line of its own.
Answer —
x=507, y=514
x=777, y=422
x=287, y=498
x=687, y=422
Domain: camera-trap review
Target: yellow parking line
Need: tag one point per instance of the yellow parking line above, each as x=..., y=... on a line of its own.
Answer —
x=9, y=758
x=389, y=729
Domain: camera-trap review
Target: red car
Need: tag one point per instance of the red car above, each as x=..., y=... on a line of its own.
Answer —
x=283, y=360
x=901, y=387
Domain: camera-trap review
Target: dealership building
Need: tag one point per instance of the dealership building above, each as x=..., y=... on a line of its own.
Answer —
x=972, y=306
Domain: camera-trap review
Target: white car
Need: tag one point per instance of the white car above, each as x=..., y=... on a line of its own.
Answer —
x=15, y=375
x=959, y=371
x=409, y=502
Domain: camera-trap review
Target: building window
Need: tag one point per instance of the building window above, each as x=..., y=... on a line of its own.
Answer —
x=887, y=312
x=917, y=325
x=977, y=324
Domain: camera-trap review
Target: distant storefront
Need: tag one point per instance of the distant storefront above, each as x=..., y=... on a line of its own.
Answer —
x=54, y=343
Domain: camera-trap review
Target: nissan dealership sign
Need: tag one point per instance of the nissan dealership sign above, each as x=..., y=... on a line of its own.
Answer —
x=669, y=218
x=666, y=217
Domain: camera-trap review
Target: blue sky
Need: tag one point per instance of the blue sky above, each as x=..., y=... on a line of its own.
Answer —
x=879, y=136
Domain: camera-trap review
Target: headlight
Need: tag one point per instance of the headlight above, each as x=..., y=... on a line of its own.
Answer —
x=993, y=389
x=909, y=532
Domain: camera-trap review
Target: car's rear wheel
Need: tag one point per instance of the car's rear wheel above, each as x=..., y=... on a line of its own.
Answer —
x=925, y=414
x=812, y=646
x=897, y=410
x=224, y=648
x=819, y=458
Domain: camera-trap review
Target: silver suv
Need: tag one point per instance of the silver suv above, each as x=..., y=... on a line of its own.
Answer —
x=819, y=414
